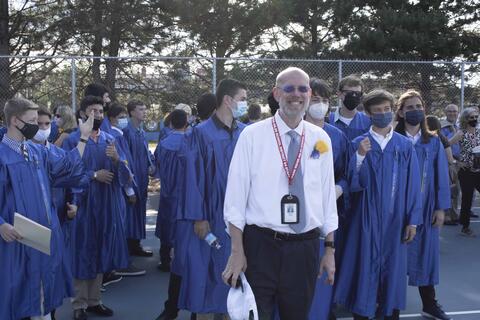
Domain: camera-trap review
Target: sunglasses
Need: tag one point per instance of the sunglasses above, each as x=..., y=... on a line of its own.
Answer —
x=292, y=88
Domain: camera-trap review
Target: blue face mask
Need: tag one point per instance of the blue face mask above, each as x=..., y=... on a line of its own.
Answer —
x=122, y=123
x=414, y=117
x=241, y=109
x=382, y=120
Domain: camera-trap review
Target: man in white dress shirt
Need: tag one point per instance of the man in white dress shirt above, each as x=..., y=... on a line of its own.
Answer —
x=280, y=199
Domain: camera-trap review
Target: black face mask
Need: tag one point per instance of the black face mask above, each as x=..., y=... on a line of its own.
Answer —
x=96, y=124
x=352, y=100
x=472, y=123
x=29, y=130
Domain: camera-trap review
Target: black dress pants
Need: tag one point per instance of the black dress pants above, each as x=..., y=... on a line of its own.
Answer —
x=469, y=181
x=281, y=273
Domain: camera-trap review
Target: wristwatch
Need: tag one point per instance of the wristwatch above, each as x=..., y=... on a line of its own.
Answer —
x=329, y=244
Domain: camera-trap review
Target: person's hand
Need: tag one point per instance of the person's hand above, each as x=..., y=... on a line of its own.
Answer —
x=104, y=176
x=438, y=218
x=201, y=228
x=71, y=210
x=111, y=152
x=327, y=264
x=410, y=232
x=364, y=147
x=8, y=233
x=237, y=263
x=86, y=127
x=132, y=199
x=458, y=135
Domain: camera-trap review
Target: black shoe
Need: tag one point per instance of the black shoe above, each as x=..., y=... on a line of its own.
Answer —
x=164, y=267
x=435, y=312
x=165, y=316
x=473, y=215
x=79, y=314
x=131, y=271
x=140, y=252
x=101, y=310
x=111, y=278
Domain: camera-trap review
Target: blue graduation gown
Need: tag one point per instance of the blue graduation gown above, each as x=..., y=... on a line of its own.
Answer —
x=322, y=299
x=423, y=252
x=64, y=279
x=360, y=124
x=3, y=130
x=170, y=163
x=25, y=187
x=54, y=132
x=449, y=132
x=387, y=198
x=141, y=160
x=99, y=228
x=164, y=132
x=203, y=290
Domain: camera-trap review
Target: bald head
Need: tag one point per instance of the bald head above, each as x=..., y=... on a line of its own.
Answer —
x=451, y=112
x=286, y=73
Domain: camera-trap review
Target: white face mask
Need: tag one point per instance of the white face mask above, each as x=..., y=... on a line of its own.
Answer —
x=122, y=123
x=42, y=135
x=241, y=110
x=318, y=110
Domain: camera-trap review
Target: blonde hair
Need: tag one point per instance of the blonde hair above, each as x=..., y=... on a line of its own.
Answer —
x=68, y=117
x=16, y=107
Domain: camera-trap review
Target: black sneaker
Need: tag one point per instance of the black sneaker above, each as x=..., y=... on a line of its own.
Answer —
x=467, y=232
x=166, y=316
x=435, y=312
x=164, y=267
x=111, y=278
x=131, y=271
x=101, y=310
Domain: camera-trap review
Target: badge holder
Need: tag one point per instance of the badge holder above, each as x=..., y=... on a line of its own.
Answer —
x=290, y=207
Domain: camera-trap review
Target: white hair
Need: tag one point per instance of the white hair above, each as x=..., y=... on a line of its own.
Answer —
x=284, y=72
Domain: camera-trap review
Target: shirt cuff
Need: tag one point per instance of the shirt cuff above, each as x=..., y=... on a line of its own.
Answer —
x=360, y=159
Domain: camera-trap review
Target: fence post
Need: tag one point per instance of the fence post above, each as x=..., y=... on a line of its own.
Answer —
x=74, y=84
x=462, y=87
x=214, y=74
x=340, y=76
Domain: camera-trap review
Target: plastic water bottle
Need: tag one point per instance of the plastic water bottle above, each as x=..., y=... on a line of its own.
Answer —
x=212, y=241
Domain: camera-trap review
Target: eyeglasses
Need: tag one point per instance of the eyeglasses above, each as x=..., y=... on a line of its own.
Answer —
x=473, y=118
x=292, y=88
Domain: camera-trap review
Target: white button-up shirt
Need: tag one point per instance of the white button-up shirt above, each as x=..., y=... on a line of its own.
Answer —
x=257, y=180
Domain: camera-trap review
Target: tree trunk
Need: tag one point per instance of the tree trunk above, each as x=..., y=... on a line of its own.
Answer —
x=113, y=48
x=5, y=90
x=97, y=42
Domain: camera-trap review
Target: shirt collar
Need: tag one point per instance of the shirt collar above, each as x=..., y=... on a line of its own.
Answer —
x=379, y=136
x=220, y=125
x=415, y=137
x=283, y=128
x=13, y=144
x=336, y=115
x=117, y=129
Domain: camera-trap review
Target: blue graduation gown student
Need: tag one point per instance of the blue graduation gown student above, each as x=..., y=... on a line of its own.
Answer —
x=27, y=175
x=423, y=252
x=347, y=118
x=142, y=164
x=170, y=162
x=316, y=112
x=100, y=244
x=213, y=141
x=386, y=207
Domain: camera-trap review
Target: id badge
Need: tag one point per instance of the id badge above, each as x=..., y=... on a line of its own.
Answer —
x=290, y=207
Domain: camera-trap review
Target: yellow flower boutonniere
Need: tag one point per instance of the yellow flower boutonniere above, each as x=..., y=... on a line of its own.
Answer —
x=319, y=148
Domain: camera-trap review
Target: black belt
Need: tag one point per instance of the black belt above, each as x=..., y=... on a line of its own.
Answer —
x=284, y=236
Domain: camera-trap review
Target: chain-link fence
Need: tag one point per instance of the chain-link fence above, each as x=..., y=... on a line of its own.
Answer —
x=163, y=82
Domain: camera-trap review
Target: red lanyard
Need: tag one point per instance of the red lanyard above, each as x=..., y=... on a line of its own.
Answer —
x=290, y=175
